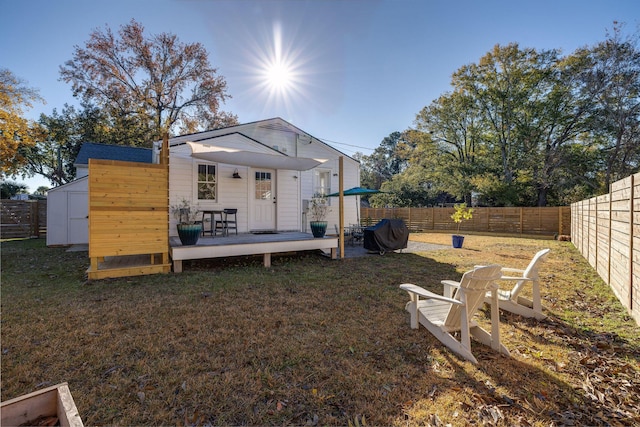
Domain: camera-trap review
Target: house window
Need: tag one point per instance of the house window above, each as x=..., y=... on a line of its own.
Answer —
x=207, y=182
x=323, y=183
x=263, y=186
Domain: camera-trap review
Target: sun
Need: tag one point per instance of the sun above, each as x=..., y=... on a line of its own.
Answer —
x=279, y=71
x=279, y=76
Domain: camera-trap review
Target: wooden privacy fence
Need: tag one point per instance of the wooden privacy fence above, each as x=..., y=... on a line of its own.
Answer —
x=23, y=218
x=128, y=219
x=606, y=231
x=537, y=221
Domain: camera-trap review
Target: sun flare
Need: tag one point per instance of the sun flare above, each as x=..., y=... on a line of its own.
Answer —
x=278, y=69
x=278, y=76
x=280, y=72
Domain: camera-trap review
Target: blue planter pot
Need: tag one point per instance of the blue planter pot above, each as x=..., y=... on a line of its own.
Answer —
x=318, y=228
x=189, y=233
x=457, y=241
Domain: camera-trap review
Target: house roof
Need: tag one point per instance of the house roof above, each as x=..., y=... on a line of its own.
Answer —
x=91, y=150
x=275, y=123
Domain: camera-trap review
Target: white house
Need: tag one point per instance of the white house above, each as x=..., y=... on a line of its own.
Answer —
x=280, y=167
x=268, y=170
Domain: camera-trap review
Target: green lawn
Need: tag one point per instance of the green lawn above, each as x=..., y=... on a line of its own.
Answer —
x=312, y=341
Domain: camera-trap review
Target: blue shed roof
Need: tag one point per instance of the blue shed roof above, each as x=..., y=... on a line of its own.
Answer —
x=91, y=150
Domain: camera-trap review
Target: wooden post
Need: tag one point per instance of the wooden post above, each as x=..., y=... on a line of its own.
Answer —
x=631, y=221
x=559, y=220
x=164, y=160
x=35, y=219
x=433, y=218
x=582, y=228
x=609, y=237
x=164, y=150
x=597, y=239
x=341, y=205
x=520, y=221
x=589, y=216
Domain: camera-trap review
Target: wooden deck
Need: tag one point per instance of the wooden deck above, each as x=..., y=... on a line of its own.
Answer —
x=249, y=244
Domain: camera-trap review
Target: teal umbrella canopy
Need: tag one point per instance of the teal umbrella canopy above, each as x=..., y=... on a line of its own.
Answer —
x=356, y=191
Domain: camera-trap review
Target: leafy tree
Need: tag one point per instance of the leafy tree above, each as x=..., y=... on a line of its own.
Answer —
x=524, y=127
x=41, y=191
x=461, y=213
x=451, y=134
x=53, y=157
x=387, y=160
x=552, y=125
x=9, y=189
x=16, y=132
x=506, y=84
x=613, y=79
x=415, y=185
x=160, y=81
x=407, y=190
x=580, y=177
x=508, y=133
x=367, y=178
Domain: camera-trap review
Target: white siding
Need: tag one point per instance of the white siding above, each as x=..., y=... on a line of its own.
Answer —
x=231, y=192
x=82, y=171
x=290, y=192
x=66, y=205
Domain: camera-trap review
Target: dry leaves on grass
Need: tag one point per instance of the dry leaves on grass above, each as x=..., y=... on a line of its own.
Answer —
x=312, y=341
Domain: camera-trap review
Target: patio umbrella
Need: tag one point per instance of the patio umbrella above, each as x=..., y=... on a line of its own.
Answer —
x=356, y=191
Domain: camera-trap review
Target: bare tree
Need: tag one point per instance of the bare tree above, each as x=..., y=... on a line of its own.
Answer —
x=170, y=84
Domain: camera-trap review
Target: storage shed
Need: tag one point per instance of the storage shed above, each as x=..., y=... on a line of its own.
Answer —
x=67, y=214
x=68, y=204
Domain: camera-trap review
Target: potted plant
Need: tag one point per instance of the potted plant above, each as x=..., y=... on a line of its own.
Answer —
x=461, y=213
x=318, y=210
x=189, y=229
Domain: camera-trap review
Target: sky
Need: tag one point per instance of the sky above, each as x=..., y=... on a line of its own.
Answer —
x=352, y=71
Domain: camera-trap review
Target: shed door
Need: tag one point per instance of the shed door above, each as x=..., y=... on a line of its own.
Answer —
x=264, y=200
x=77, y=214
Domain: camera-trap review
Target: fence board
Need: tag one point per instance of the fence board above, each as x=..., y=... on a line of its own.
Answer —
x=606, y=231
x=537, y=221
x=128, y=218
x=22, y=218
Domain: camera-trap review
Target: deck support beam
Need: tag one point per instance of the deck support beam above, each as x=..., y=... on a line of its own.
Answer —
x=251, y=245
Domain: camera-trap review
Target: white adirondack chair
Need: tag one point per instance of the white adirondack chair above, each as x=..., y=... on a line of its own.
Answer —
x=511, y=300
x=443, y=315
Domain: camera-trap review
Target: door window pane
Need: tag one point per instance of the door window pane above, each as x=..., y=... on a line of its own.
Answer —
x=263, y=185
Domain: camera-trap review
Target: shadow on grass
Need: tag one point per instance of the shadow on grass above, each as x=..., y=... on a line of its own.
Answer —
x=309, y=341
x=514, y=391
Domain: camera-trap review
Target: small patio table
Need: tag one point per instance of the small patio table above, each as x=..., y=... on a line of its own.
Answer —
x=356, y=234
x=213, y=215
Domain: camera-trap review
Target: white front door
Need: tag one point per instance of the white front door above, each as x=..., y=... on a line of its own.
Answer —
x=263, y=215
